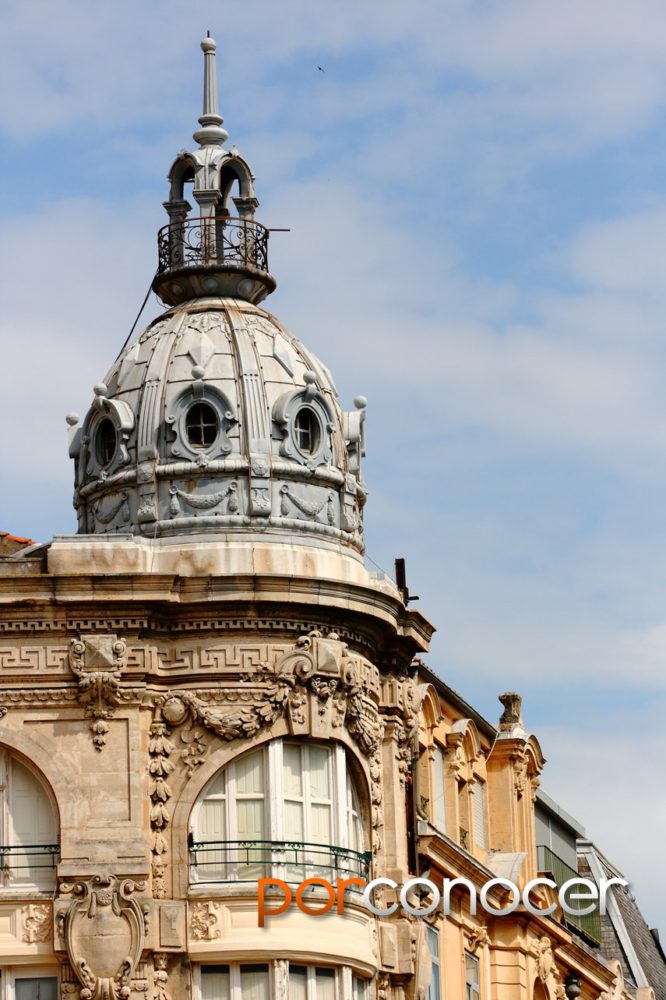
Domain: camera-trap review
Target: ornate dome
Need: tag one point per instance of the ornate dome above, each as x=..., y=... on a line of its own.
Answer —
x=217, y=419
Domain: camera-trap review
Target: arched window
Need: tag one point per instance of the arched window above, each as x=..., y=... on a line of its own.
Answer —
x=307, y=430
x=201, y=425
x=106, y=441
x=288, y=810
x=29, y=830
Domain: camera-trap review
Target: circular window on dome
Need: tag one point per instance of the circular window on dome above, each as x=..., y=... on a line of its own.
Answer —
x=307, y=431
x=202, y=425
x=106, y=442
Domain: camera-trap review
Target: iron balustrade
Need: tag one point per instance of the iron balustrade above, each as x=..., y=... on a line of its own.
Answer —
x=27, y=858
x=224, y=861
x=208, y=242
x=549, y=863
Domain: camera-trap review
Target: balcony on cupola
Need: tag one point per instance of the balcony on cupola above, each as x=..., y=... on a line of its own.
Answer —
x=217, y=248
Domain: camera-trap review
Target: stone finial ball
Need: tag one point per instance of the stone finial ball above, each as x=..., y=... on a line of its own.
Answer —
x=208, y=45
x=309, y=378
x=72, y=419
x=198, y=371
x=100, y=389
x=360, y=402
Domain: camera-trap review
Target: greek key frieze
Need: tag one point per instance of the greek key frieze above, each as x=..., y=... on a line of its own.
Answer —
x=34, y=659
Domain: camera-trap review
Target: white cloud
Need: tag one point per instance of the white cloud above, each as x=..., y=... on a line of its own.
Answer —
x=591, y=767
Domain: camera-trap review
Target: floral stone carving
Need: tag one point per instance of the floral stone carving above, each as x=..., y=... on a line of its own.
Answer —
x=37, y=923
x=204, y=924
x=98, y=662
x=316, y=684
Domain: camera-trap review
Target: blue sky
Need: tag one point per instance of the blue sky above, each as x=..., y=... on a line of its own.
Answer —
x=477, y=204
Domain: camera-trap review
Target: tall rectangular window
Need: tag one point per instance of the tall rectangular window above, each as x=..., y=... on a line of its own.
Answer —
x=309, y=982
x=439, y=811
x=435, y=988
x=36, y=988
x=235, y=982
x=215, y=983
x=480, y=817
x=359, y=988
x=472, y=987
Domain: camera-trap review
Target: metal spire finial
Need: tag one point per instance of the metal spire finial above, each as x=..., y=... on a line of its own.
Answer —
x=210, y=133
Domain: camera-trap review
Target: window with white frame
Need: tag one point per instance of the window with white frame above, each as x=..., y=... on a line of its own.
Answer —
x=28, y=827
x=287, y=809
x=308, y=982
x=260, y=982
x=435, y=987
x=28, y=984
x=360, y=989
x=480, y=814
x=235, y=982
x=472, y=982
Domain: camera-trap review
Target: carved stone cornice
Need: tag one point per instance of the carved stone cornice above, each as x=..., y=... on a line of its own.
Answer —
x=394, y=632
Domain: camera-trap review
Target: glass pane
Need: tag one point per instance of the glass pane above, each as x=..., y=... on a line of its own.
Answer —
x=318, y=773
x=471, y=970
x=325, y=979
x=320, y=825
x=251, y=860
x=355, y=829
x=250, y=773
x=215, y=982
x=254, y=982
x=212, y=820
x=217, y=785
x=33, y=824
x=291, y=771
x=210, y=862
x=359, y=988
x=293, y=821
x=433, y=943
x=298, y=982
x=250, y=819
x=38, y=988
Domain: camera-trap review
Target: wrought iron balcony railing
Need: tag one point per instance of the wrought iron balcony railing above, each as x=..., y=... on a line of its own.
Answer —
x=549, y=863
x=222, y=861
x=224, y=242
x=27, y=863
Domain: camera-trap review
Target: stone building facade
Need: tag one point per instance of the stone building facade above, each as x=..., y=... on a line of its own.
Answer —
x=205, y=686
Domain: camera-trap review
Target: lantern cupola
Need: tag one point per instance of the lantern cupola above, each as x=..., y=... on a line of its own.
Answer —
x=212, y=244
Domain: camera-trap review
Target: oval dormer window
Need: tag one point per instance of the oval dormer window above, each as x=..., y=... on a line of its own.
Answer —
x=106, y=442
x=307, y=431
x=201, y=425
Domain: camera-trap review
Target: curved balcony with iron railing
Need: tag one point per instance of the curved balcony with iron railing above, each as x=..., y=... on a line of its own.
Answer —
x=213, y=256
x=221, y=862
